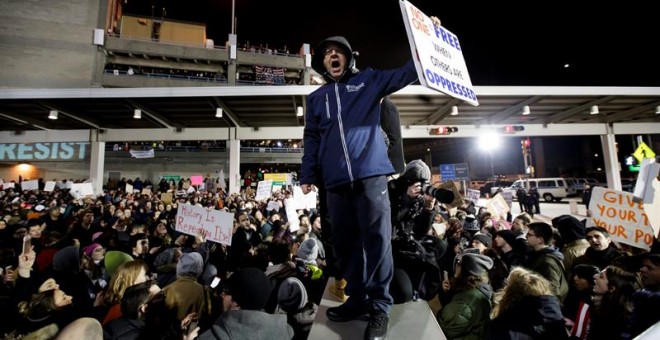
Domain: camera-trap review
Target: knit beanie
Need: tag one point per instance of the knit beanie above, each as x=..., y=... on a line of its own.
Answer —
x=114, y=259
x=475, y=264
x=90, y=249
x=308, y=251
x=190, y=264
x=67, y=260
x=569, y=227
x=485, y=238
x=292, y=295
x=250, y=288
x=508, y=236
x=164, y=258
x=416, y=171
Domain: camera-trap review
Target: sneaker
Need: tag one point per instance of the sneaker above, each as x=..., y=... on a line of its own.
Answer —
x=378, y=325
x=345, y=312
x=336, y=290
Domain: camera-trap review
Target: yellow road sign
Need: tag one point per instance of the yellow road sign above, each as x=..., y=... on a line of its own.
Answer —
x=643, y=151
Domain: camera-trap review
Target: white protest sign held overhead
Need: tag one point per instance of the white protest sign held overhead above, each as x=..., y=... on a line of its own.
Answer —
x=50, y=186
x=263, y=190
x=30, y=185
x=217, y=225
x=624, y=219
x=438, y=55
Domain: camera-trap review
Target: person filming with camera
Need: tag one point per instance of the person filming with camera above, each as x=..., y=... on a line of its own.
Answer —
x=415, y=252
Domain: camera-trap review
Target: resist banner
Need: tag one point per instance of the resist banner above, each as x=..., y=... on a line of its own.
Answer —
x=623, y=218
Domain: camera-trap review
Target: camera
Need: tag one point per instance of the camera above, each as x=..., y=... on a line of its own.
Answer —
x=442, y=195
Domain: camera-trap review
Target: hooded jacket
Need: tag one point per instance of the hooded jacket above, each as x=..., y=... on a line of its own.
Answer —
x=533, y=317
x=342, y=135
x=549, y=263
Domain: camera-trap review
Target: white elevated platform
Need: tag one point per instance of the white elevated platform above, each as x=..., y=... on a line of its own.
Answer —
x=412, y=320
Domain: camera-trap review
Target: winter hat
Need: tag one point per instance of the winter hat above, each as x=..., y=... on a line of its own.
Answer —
x=569, y=227
x=114, y=259
x=508, y=236
x=308, y=251
x=292, y=296
x=190, y=264
x=67, y=260
x=485, y=238
x=475, y=264
x=250, y=288
x=96, y=235
x=164, y=258
x=317, y=57
x=470, y=225
x=90, y=249
x=417, y=171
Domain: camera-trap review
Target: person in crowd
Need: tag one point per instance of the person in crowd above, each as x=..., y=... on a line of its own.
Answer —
x=244, y=296
x=645, y=302
x=467, y=312
x=185, y=294
x=572, y=232
x=292, y=300
x=602, y=251
x=126, y=275
x=133, y=307
x=610, y=315
x=526, y=309
x=357, y=186
x=580, y=290
x=545, y=259
x=50, y=305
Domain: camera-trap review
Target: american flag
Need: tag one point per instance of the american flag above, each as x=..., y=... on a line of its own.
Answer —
x=269, y=75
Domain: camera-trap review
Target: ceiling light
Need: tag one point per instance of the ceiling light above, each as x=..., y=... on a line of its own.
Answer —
x=594, y=110
x=454, y=110
x=218, y=112
x=137, y=114
x=526, y=111
x=52, y=114
x=299, y=111
x=657, y=110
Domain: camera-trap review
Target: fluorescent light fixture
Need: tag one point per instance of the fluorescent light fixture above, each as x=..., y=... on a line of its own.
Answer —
x=299, y=111
x=526, y=110
x=594, y=110
x=137, y=114
x=454, y=110
x=52, y=114
x=218, y=112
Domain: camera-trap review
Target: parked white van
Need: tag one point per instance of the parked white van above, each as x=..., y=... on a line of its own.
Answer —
x=549, y=188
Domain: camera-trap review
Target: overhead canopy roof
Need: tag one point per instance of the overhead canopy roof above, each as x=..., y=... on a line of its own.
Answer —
x=254, y=108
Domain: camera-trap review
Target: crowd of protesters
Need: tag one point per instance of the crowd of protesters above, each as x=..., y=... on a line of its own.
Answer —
x=114, y=267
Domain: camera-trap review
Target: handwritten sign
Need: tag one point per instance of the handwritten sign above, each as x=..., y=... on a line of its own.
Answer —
x=440, y=66
x=217, y=225
x=498, y=207
x=80, y=190
x=197, y=179
x=624, y=219
x=50, y=186
x=30, y=185
x=263, y=190
x=473, y=195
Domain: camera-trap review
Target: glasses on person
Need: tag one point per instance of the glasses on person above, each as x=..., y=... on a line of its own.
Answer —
x=530, y=234
x=328, y=51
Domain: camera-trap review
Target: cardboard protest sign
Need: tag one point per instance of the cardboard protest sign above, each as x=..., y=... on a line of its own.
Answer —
x=30, y=185
x=302, y=201
x=50, y=186
x=146, y=191
x=129, y=188
x=217, y=225
x=438, y=55
x=473, y=195
x=166, y=197
x=497, y=207
x=80, y=190
x=624, y=219
x=263, y=190
x=652, y=209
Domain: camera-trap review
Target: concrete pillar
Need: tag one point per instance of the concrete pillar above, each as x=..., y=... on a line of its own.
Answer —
x=96, y=161
x=234, y=151
x=612, y=170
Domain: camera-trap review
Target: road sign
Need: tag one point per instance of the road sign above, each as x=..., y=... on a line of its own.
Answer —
x=643, y=151
x=453, y=172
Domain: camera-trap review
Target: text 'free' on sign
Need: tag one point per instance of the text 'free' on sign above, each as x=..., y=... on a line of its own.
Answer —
x=438, y=55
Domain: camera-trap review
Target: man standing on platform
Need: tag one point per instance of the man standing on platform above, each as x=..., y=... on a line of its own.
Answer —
x=343, y=141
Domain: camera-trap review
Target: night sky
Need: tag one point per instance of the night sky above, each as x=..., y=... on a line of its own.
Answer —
x=503, y=43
